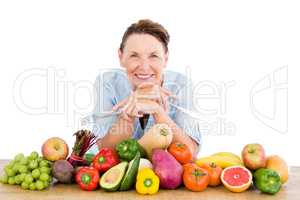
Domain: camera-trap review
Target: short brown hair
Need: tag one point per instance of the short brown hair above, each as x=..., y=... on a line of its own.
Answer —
x=146, y=26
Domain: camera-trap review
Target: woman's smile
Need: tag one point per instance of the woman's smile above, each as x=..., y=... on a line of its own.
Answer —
x=145, y=77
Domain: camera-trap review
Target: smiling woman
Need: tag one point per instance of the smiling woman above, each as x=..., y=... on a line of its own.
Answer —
x=144, y=52
x=144, y=91
x=143, y=58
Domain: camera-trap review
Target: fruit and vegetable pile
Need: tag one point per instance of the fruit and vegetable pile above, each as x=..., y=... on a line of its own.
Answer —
x=146, y=165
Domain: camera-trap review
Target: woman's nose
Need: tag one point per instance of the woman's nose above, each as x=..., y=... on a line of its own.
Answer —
x=144, y=63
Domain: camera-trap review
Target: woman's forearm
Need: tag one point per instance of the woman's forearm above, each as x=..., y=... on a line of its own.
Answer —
x=121, y=130
x=178, y=134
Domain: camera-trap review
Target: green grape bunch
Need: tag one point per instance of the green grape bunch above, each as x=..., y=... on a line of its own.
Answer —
x=31, y=172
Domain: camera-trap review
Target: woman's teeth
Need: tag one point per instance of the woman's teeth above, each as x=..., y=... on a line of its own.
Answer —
x=143, y=76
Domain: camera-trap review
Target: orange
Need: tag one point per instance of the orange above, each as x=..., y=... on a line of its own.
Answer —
x=236, y=178
x=279, y=165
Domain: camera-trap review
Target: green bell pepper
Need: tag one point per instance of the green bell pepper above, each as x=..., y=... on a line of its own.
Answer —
x=267, y=181
x=127, y=149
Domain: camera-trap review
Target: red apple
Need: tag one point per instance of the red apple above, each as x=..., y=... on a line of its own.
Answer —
x=254, y=156
x=54, y=149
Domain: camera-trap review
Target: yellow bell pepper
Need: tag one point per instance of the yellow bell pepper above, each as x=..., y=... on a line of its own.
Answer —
x=147, y=182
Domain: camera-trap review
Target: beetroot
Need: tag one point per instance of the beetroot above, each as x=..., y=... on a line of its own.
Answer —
x=63, y=171
x=167, y=168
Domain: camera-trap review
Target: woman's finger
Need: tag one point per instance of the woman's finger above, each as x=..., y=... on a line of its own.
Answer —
x=164, y=99
x=126, y=113
x=123, y=102
x=166, y=104
x=132, y=110
x=120, y=104
x=153, y=93
x=145, y=85
x=153, y=97
x=128, y=106
x=167, y=92
x=137, y=112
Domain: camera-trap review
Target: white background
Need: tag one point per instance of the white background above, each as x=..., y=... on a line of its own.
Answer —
x=221, y=42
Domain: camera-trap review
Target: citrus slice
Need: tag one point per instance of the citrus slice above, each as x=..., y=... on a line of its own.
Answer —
x=236, y=178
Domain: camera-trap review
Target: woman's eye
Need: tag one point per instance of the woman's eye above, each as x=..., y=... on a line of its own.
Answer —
x=154, y=56
x=133, y=56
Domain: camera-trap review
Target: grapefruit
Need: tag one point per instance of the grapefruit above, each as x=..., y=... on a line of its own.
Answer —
x=279, y=165
x=236, y=178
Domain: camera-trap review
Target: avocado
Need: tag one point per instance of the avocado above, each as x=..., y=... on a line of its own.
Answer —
x=111, y=179
x=130, y=176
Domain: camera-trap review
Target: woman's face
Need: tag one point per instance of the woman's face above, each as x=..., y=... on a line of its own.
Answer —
x=144, y=58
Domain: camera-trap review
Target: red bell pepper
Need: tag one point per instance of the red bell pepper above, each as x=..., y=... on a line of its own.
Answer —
x=87, y=178
x=105, y=159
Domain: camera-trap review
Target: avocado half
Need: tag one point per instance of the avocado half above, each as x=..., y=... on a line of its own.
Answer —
x=110, y=181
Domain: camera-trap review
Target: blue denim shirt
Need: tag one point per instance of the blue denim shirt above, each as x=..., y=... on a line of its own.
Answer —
x=112, y=86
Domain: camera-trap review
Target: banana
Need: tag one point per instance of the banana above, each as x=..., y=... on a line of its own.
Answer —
x=228, y=154
x=222, y=159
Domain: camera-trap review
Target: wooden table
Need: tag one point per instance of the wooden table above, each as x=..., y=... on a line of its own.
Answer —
x=291, y=190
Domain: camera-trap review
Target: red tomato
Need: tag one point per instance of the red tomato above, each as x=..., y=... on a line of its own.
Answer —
x=214, y=173
x=181, y=152
x=195, y=178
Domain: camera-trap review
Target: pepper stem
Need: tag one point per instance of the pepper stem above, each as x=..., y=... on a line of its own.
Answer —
x=101, y=159
x=86, y=178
